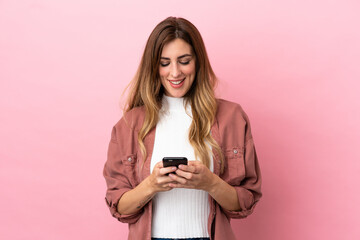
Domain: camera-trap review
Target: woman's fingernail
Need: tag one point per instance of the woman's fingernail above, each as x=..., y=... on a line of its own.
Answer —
x=174, y=168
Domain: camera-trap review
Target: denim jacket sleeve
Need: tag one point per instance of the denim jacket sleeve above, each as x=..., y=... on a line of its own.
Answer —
x=242, y=169
x=119, y=168
x=248, y=191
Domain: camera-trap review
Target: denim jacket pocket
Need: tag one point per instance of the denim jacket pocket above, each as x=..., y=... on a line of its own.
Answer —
x=234, y=165
x=130, y=165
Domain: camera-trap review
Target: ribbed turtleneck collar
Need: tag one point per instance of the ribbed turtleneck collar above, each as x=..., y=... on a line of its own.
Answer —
x=173, y=103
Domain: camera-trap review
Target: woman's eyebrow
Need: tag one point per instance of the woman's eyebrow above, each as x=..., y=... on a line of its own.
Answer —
x=182, y=56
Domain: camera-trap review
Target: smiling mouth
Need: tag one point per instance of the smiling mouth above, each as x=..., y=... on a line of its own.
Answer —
x=176, y=82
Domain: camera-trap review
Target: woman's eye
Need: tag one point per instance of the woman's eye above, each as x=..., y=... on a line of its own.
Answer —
x=164, y=64
x=185, y=62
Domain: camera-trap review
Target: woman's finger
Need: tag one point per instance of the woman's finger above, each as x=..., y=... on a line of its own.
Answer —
x=177, y=179
x=188, y=168
x=185, y=174
x=159, y=165
x=167, y=170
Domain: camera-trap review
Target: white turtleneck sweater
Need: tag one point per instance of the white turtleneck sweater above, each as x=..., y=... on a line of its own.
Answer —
x=180, y=212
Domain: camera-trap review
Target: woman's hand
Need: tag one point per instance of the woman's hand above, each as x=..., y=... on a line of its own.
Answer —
x=158, y=180
x=197, y=176
x=132, y=201
x=194, y=175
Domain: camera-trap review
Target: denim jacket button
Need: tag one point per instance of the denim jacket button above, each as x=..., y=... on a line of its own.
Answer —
x=235, y=151
x=129, y=159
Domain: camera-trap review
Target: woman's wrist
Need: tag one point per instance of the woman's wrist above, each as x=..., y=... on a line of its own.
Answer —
x=149, y=186
x=213, y=184
x=223, y=193
x=135, y=199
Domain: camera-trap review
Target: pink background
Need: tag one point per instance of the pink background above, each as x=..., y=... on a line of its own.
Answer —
x=292, y=65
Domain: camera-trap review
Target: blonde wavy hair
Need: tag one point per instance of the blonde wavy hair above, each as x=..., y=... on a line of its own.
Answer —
x=146, y=88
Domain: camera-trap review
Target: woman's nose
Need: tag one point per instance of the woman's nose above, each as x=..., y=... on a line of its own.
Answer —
x=175, y=71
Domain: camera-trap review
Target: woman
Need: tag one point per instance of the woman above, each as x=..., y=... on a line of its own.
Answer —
x=172, y=112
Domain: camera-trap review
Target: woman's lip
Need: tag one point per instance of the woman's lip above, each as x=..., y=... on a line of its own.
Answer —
x=175, y=80
x=177, y=85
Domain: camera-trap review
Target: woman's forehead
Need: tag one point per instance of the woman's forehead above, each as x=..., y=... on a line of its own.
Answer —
x=176, y=48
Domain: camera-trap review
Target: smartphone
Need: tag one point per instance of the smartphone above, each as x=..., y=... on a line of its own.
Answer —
x=174, y=161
